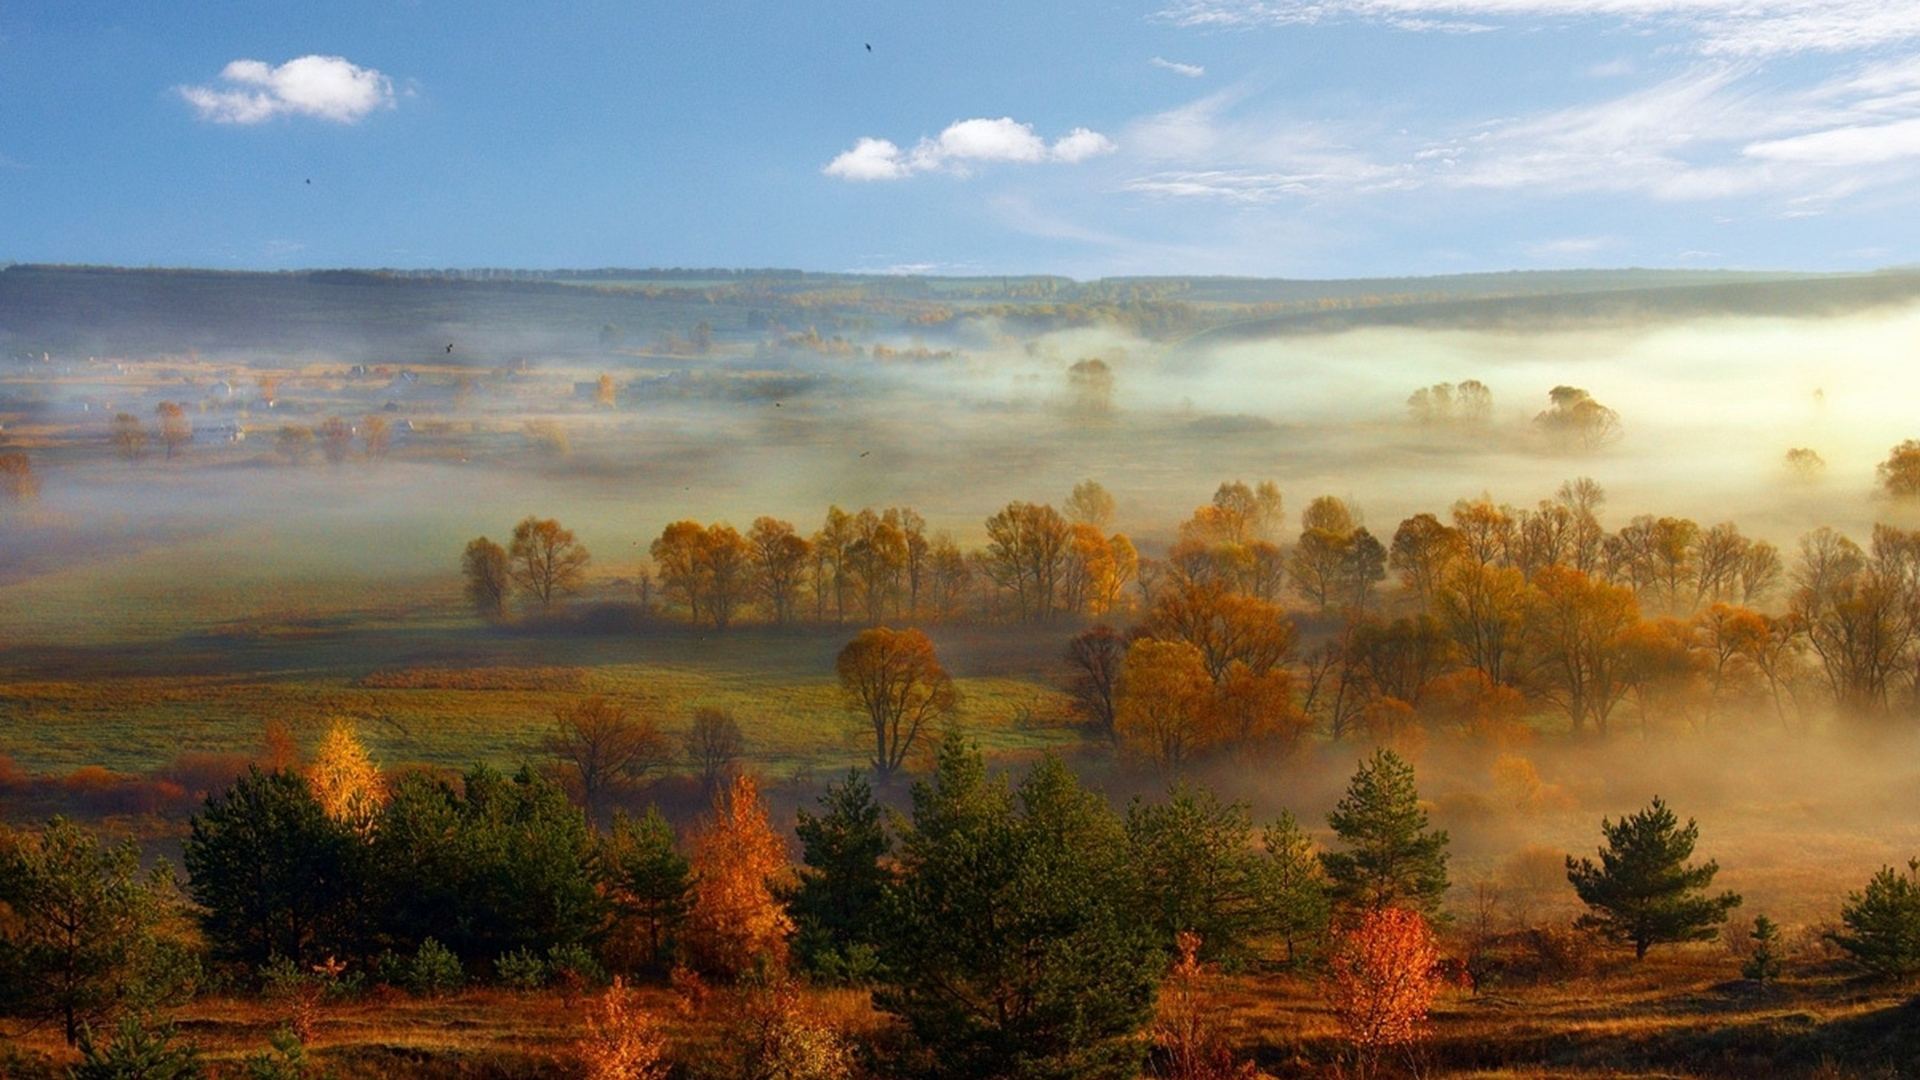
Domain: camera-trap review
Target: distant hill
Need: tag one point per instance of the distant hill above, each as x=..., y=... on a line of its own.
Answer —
x=492, y=315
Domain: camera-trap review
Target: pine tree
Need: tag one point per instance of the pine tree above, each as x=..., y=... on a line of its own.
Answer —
x=647, y=879
x=1643, y=891
x=842, y=883
x=138, y=1050
x=1883, y=924
x=1200, y=871
x=1763, y=964
x=1296, y=887
x=1010, y=946
x=1392, y=860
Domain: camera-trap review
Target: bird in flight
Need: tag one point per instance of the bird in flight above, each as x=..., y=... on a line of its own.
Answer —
x=864, y=453
x=309, y=181
x=449, y=346
x=869, y=46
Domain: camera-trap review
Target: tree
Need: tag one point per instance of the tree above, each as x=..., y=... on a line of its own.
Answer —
x=1575, y=421
x=1026, y=555
x=376, y=436
x=1382, y=979
x=336, y=439
x=714, y=745
x=603, y=750
x=1296, y=886
x=1090, y=505
x=176, y=427
x=16, y=476
x=1094, y=659
x=345, y=780
x=1576, y=627
x=604, y=392
x=648, y=881
x=1226, y=627
x=1165, y=713
x=1422, y=550
x=129, y=438
x=1188, y=1036
x=140, y=1049
x=545, y=560
x=1201, y=872
x=1900, y=473
x=273, y=874
x=1805, y=464
x=1882, y=924
x=837, y=904
x=1391, y=858
x=1643, y=891
x=1011, y=947
x=293, y=443
x=1763, y=963
x=484, y=565
x=736, y=922
x=622, y=1040
x=893, y=680
x=83, y=925
x=778, y=556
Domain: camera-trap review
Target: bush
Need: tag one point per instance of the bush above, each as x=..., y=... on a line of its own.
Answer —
x=285, y=1058
x=622, y=1041
x=575, y=966
x=520, y=970
x=137, y=1051
x=434, y=970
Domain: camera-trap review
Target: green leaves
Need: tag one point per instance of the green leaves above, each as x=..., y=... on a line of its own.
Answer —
x=1643, y=891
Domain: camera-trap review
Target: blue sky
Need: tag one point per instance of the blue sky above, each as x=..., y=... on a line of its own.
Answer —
x=1308, y=138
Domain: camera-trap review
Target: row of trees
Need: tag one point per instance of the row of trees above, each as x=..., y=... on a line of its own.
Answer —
x=1011, y=929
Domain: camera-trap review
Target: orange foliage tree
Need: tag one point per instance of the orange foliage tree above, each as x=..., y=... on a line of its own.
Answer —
x=345, y=780
x=737, y=922
x=1187, y=1037
x=893, y=680
x=622, y=1041
x=1382, y=978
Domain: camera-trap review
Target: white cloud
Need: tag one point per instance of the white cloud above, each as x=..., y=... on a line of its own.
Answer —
x=1191, y=71
x=1569, y=247
x=1845, y=147
x=1718, y=27
x=325, y=87
x=964, y=143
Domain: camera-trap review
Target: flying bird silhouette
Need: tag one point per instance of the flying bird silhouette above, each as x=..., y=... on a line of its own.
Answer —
x=449, y=346
x=864, y=453
x=869, y=47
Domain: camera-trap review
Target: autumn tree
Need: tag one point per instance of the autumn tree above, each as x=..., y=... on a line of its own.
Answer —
x=376, y=436
x=1164, y=713
x=893, y=681
x=1900, y=473
x=1643, y=892
x=1390, y=857
x=1382, y=979
x=1575, y=421
x=843, y=879
x=736, y=923
x=1422, y=550
x=1805, y=464
x=345, y=780
x=1010, y=946
x=484, y=566
x=17, y=480
x=603, y=750
x=129, y=438
x=1227, y=628
x=84, y=931
x=1090, y=504
x=714, y=744
x=1026, y=555
x=604, y=391
x=294, y=443
x=176, y=427
x=1189, y=1039
x=622, y=1041
x=336, y=439
x=545, y=561
x=1094, y=659
x=778, y=557
x=1575, y=627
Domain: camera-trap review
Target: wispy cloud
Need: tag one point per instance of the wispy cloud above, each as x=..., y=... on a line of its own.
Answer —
x=964, y=144
x=1191, y=71
x=324, y=87
x=1568, y=247
x=1717, y=27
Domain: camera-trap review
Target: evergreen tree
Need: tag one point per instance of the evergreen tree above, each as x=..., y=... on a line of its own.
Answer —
x=647, y=880
x=1643, y=891
x=138, y=1050
x=1392, y=860
x=274, y=874
x=1010, y=948
x=1296, y=887
x=1200, y=871
x=836, y=906
x=82, y=924
x=1763, y=964
x=1883, y=924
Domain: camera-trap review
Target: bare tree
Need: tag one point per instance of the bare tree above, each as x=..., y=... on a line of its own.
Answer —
x=714, y=745
x=602, y=750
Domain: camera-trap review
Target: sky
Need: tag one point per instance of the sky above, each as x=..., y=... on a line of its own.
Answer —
x=1292, y=138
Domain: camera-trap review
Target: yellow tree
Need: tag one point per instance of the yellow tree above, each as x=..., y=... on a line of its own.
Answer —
x=737, y=922
x=545, y=560
x=345, y=780
x=1165, y=712
x=894, y=682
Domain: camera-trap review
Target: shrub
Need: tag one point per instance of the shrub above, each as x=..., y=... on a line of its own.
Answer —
x=1187, y=1039
x=434, y=970
x=574, y=965
x=622, y=1040
x=520, y=970
x=1763, y=962
x=138, y=1050
x=1382, y=978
